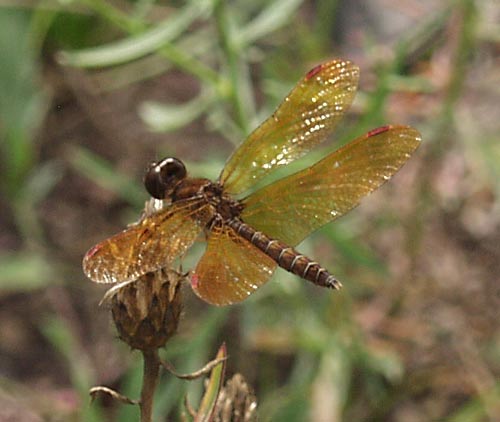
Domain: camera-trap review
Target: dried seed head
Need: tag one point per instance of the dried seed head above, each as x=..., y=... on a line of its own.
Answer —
x=146, y=311
x=236, y=402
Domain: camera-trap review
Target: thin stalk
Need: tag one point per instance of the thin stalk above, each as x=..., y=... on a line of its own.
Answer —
x=233, y=63
x=189, y=64
x=149, y=383
x=113, y=14
x=465, y=47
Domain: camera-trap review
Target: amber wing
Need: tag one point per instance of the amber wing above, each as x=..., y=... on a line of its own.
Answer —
x=149, y=245
x=293, y=207
x=303, y=120
x=231, y=268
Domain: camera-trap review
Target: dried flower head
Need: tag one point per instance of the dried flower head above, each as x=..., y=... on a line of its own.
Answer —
x=236, y=402
x=146, y=311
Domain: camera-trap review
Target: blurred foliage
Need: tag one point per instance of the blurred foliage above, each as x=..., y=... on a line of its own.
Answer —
x=21, y=100
x=92, y=89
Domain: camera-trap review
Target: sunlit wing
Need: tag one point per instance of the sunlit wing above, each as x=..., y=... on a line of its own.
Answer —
x=303, y=120
x=295, y=206
x=149, y=245
x=231, y=268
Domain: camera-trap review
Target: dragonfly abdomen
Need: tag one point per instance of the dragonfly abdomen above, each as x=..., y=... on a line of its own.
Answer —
x=286, y=257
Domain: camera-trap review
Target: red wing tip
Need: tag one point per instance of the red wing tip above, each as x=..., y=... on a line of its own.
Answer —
x=378, y=130
x=92, y=251
x=194, y=281
x=337, y=63
x=314, y=71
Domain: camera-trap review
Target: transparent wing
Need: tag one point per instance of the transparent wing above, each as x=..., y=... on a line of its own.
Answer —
x=295, y=206
x=231, y=268
x=304, y=119
x=149, y=245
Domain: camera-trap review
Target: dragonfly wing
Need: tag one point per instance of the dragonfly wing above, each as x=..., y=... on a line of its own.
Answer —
x=155, y=241
x=295, y=206
x=303, y=120
x=231, y=268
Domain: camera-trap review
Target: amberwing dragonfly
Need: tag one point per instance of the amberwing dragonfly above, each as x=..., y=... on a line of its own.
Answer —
x=248, y=237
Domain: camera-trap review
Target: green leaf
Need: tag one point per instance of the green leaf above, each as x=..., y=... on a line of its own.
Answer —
x=21, y=101
x=209, y=399
x=170, y=117
x=24, y=271
x=274, y=16
x=137, y=46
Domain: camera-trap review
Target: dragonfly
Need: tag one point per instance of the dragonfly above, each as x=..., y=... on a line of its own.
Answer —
x=251, y=230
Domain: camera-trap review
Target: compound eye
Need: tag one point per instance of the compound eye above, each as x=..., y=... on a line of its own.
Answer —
x=162, y=177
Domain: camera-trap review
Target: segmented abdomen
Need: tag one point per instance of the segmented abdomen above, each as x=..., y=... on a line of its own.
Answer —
x=286, y=256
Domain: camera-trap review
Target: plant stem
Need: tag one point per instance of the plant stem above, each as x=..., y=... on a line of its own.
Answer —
x=235, y=66
x=149, y=383
x=113, y=14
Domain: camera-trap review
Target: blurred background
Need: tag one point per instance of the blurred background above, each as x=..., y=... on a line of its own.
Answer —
x=92, y=90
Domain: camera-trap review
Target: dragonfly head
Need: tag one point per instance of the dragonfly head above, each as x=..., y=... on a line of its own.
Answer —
x=162, y=177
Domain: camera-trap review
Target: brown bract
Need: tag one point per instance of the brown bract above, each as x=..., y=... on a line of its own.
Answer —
x=236, y=402
x=146, y=311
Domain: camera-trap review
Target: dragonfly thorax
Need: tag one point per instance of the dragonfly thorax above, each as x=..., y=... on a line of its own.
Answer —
x=226, y=207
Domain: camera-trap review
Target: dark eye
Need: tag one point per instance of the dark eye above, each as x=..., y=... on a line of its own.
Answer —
x=161, y=177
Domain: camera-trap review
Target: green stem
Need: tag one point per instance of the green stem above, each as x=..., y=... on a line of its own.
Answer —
x=467, y=11
x=189, y=64
x=114, y=15
x=233, y=63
